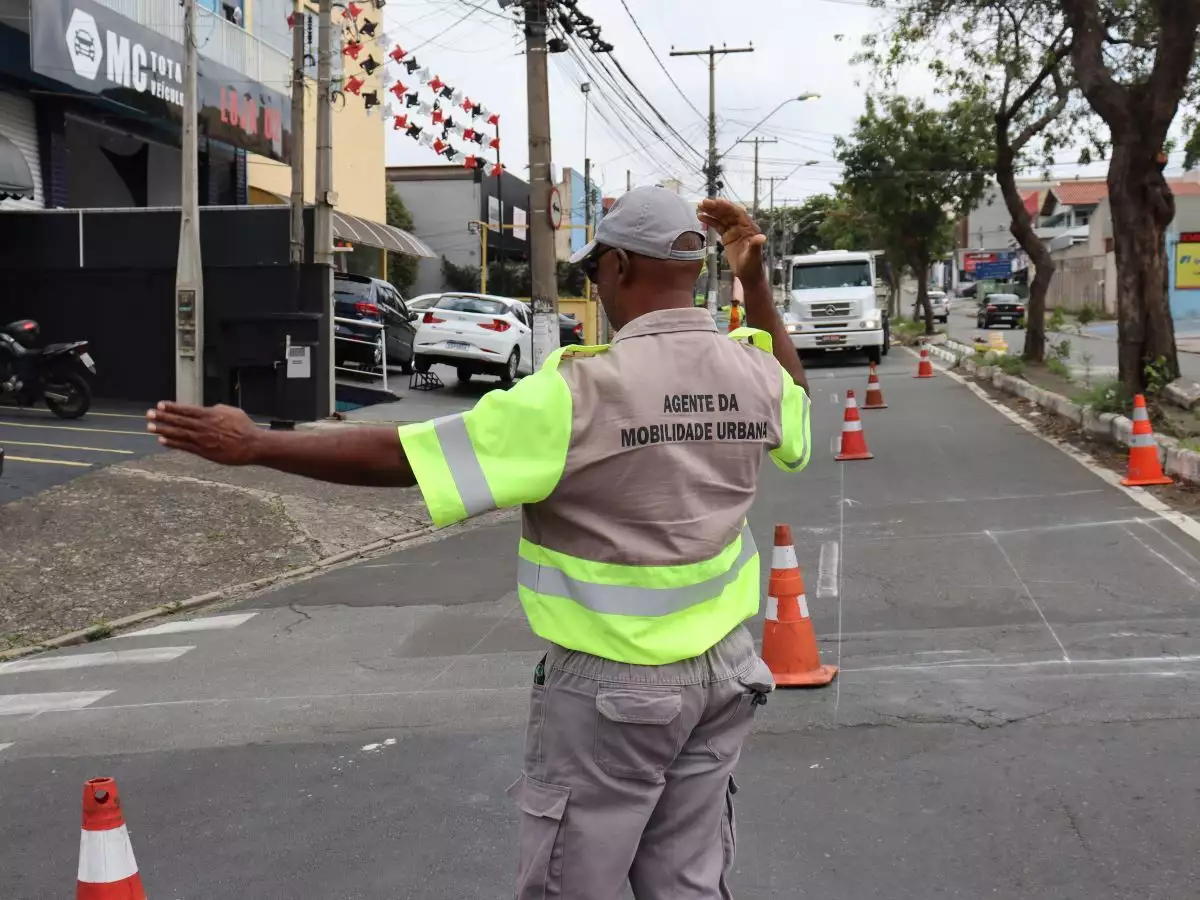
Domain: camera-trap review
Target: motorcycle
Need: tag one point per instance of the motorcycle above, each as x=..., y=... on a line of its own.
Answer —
x=55, y=373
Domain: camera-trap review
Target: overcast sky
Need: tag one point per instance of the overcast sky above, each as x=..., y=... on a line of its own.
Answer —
x=800, y=46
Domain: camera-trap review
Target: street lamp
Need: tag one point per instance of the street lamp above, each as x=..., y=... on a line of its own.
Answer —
x=806, y=96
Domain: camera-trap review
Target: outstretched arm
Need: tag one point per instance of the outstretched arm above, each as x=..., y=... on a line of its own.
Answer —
x=743, y=248
x=358, y=455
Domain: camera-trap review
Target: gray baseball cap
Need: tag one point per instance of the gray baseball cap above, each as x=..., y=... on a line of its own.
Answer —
x=647, y=221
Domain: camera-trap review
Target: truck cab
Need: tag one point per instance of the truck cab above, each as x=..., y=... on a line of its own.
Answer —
x=833, y=304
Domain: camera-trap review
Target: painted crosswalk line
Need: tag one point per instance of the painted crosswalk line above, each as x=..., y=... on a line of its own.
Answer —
x=87, y=660
x=185, y=626
x=29, y=704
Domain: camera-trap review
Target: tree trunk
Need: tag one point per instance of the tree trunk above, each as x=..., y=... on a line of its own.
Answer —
x=921, y=271
x=1142, y=208
x=1021, y=228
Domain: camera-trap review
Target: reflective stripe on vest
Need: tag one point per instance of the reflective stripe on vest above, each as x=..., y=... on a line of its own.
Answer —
x=464, y=465
x=803, y=426
x=629, y=599
x=643, y=615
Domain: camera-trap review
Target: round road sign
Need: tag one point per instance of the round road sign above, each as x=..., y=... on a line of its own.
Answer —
x=555, y=212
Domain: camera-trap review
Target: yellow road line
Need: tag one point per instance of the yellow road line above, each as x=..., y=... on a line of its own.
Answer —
x=8, y=443
x=49, y=462
x=73, y=428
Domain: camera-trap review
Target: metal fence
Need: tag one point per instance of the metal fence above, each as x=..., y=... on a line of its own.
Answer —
x=380, y=347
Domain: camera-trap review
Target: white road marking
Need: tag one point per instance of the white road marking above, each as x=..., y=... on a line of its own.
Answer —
x=837, y=697
x=827, y=570
x=941, y=652
x=26, y=704
x=183, y=626
x=87, y=660
x=952, y=664
x=1183, y=573
x=1184, y=523
x=4, y=747
x=1029, y=594
x=997, y=498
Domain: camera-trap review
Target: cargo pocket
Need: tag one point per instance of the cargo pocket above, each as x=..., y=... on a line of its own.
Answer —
x=638, y=732
x=754, y=685
x=542, y=806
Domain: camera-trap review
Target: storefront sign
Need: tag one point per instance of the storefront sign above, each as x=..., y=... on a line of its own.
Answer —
x=98, y=51
x=1187, y=262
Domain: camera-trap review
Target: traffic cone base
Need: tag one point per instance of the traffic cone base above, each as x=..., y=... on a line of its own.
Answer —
x=874, y=398
x=789, y=645
x=1144, y=466
x=854, y=445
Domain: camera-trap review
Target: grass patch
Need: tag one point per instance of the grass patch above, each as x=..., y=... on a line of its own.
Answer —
x=1106, y=396
x=1010, y=365
x=1059, y=368
x=910, y=331
x=99, y=632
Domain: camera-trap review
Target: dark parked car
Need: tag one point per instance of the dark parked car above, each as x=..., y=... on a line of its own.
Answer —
x=570, y=331
x=1000, y=309
x=375, y=301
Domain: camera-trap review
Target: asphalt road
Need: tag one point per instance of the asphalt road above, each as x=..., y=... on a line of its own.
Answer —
x=42, y=450
x=1094, y=353
x=1016, y=714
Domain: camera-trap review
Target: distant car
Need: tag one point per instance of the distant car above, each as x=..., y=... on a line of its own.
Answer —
x=371, y=300
x=1000, y=309
x=422, y=301
x=939, y=304
x=477, y=334
x=570, y=331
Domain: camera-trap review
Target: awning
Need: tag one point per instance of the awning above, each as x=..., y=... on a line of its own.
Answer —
x=373, y=234
x=15, y=179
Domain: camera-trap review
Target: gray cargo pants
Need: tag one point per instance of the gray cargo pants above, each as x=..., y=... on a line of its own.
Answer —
x=628, y=774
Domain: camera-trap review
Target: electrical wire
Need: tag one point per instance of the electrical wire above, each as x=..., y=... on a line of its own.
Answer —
x=658, y=60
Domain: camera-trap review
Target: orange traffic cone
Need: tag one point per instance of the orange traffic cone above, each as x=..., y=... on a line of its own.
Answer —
x=1144, y=467
x=107, y=869
x=925, y=366
x=789, y=646
x=874, y=391
x=854, y=445
x=735, y=316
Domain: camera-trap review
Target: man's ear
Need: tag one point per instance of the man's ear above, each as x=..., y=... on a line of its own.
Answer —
x=624, y=266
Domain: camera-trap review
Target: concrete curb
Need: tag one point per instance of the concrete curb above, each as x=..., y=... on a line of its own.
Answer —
x=102, y=630
x=1177, y=461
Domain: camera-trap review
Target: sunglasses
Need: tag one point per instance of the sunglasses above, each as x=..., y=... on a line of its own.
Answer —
x=591, y=264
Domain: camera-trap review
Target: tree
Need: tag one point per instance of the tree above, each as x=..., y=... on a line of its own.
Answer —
x=1134, y=60
x=850, y=227
x=401, y=268
x=1010, y=57
x=797, y=229
x=911, y=168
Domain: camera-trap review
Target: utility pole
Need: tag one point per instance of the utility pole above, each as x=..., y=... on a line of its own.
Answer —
x=771, y=233
x=541, y=229
x=628, y=180
x=297, y=234
x=756, y=141
x=500, y=244
x=189, y=271
x=325, y=197
x=712, y=169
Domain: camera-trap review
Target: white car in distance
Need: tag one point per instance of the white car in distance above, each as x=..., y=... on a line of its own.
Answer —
x=477, y=334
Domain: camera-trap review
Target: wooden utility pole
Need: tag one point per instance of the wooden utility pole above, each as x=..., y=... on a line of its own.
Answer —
x=712, y=170
x=325, y=197
x=756, y=141
x=189, y=270
x=297, y=199
x=541, y=229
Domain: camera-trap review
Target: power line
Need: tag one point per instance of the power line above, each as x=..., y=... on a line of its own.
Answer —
x=658, y=60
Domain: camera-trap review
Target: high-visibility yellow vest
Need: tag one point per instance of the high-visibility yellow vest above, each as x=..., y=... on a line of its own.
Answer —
x=512, y=449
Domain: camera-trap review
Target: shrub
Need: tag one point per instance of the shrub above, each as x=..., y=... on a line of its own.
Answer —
x=1086, y=314
x=1011, y=365
x=1057, y=320
x=1105, y=396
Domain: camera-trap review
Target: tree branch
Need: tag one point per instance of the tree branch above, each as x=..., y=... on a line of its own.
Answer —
x=1177, y=24
x=1107, y=97
x=1062, y=93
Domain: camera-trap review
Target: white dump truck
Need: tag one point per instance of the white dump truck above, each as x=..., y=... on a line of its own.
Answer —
x=833, y=305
